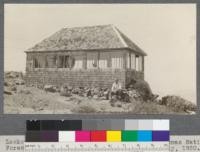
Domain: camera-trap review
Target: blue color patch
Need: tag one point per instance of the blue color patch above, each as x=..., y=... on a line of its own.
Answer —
x=144, y=135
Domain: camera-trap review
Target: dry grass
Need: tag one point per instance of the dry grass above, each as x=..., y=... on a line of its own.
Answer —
x=151, y=108
x=84, y=109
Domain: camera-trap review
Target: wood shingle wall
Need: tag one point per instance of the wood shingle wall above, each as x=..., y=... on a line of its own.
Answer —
x=90, y=78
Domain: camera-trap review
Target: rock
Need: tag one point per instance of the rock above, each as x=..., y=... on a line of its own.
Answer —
x=19, y=82
x=121, y=95
x=80, y=91
x=178, y=103
x=76, y=91
x=190, y=112
x=13, y=74
x=6, y=83
x=13, y=88
x=50, y=88
x=106, y=94
x=70, y=88
x=95, y=97
x=96, y=91
x=64, y=91
x=89, y=93
x=6, y=91
x=133, y=94
x=126, y=98
x=66, y=94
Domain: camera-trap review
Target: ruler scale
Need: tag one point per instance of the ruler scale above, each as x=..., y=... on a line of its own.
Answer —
x=97, y=147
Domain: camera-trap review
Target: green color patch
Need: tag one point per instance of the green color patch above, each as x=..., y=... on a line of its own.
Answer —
x=128, y=135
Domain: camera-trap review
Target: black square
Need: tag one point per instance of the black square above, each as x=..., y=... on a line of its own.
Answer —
x=49, y=124
x=32, y=125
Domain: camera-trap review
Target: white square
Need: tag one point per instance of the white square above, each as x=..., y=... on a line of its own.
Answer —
x=162, y=124
x=66, y=136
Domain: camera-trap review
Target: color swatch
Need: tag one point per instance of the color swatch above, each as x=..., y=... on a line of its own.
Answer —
x=128, y=135
x=98, y=136
x=113, y=136
x=67, y=136
x=144, y=136
x=82, y=136
x=160, y=136
x=49, y=136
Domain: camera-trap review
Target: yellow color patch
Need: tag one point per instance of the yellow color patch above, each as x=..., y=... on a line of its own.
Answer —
x=113, y=136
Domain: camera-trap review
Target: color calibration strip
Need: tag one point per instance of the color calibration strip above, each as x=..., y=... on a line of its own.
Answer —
x=97, y=131
x=97, y=136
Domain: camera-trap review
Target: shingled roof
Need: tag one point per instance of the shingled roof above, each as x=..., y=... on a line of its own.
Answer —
x=86, y=38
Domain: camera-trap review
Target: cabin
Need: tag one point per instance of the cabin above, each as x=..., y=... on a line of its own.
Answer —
x=92, y=56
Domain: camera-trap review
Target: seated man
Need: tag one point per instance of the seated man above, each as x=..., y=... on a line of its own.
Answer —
x=116, y=88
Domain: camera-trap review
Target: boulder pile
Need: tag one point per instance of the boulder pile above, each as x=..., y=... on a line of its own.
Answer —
x=11, y=81
x=95, y=92
x=178, y=103
x=98, y=93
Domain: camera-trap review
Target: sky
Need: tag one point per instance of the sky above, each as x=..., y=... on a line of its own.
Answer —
x=166, y=32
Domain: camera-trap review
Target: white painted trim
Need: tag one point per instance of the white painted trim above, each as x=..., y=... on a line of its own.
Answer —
x=119, y=36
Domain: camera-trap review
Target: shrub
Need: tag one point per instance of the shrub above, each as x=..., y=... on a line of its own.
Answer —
x=143, y=88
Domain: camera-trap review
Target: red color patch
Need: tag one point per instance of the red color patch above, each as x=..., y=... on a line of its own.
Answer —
x=98, y=136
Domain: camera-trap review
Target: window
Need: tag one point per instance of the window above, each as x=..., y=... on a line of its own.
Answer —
x=66, y=61
x=78, y=62
x=117, y=60
x=103, y=60
x=92, y=60
x=36, y=63
x=54, y=61
x=50, y=61
x=133, y=58
x=139, y=63
x=39, y=61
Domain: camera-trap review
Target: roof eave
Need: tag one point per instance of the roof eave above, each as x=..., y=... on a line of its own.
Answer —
x=98, y=49
x=138, y=52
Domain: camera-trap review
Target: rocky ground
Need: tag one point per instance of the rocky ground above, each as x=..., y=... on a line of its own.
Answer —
x=138, y=99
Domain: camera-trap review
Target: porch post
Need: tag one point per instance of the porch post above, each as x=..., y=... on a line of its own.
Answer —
x=124, y=61
x=142, y=63
x=84, y=60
